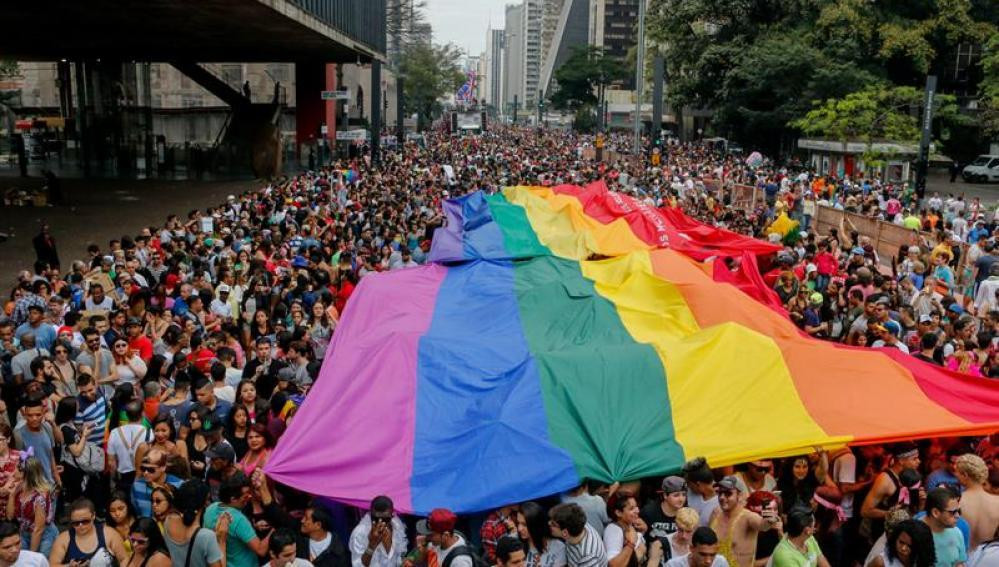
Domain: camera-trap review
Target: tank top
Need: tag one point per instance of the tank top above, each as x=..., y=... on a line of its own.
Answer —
x=725, y=544
x=74, y=553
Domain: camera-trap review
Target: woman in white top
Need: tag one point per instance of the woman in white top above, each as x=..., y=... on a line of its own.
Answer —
x=687, y=521
x=542, y=549
x=623, y=538
x=131, y=369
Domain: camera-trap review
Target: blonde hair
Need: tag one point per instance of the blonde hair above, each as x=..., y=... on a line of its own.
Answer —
x=973, y=467
x=34, y=476
x=687, y=518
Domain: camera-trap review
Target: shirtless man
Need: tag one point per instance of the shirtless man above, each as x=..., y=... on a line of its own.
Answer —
x=736, y=526
x=978, y=507
x=884, y=494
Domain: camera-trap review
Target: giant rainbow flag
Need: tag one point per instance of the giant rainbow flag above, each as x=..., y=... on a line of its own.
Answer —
x=571, y=332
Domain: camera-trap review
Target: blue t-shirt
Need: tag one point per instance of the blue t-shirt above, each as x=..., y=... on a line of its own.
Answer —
x=962, y=526
x=943, y=476
x=45, y=335
x=950, y=547
x=40, y=443
x=241, y=532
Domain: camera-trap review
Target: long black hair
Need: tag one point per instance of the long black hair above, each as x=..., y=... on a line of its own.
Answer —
x=923, y=552
x=536, y=519
x=151, y=531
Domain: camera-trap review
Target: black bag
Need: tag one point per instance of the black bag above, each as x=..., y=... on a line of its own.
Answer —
x=468, y=550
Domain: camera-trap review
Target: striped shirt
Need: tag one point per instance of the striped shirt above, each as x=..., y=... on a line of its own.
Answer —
x=589, y=552
x=96, y=414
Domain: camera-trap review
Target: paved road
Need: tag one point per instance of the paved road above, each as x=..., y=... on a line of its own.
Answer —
x=98, y=211
x=988, y=193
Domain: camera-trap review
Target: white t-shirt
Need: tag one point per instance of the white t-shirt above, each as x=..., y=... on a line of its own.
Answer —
x=298, y=562
x=594, y=507
x=844, y=470
x=683, y=561
x=459, y=560
x=30, y=559
x=226, y=393
x=316, y=548
x=704, y=507
x=124, y=441
x=614, y=540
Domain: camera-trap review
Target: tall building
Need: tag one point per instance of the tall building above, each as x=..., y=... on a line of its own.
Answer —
x=571, y=31
x=532, y=52
x=513, y=61
x=423, y=34
x=550, y=12
x=492, y=76
x=613, y=26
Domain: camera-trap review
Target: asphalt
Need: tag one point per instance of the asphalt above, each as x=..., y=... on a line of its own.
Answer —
x=98, y=211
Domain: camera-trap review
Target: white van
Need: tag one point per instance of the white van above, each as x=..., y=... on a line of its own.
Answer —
x=982, y=170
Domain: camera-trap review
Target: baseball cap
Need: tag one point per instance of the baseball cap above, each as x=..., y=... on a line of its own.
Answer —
x=222, y=451
x=925, y=319
x=893, y=327
x=728, y=483
x=224, y=288
x=440, y=520
x=857, y=250
x=811, y=268
x=300, y=262
x=134, y=321
x=816, y=298
x=673, y=484
x=956, y=308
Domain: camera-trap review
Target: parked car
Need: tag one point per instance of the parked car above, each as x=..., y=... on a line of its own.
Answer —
x=982, y=170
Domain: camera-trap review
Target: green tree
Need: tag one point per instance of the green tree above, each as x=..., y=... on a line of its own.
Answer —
x=877, y=113
x=429, y=72
x=990, y=87
x=581, y=79
x=758, y=63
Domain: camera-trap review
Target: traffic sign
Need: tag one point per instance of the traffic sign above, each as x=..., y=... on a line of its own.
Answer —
x=336, y=95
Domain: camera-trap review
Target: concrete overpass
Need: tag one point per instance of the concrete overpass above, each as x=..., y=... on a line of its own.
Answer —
x=195, y=30
x=95, y=41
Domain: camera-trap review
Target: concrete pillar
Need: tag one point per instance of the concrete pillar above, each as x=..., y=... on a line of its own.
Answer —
x=331, y=107
x=83, y=144
x=310, y=79
x=376, y=111
x=658, y=66
x=400, y=118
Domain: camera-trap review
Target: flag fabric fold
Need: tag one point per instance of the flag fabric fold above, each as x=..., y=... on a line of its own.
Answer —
x=571, y=332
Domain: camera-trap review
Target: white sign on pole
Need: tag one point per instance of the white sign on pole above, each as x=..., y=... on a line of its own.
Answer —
x=351, y=135
x=336, y=95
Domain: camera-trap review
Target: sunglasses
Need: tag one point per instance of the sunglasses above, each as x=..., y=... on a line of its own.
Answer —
x=149, y=468
x=77, y=523
x=954, y=512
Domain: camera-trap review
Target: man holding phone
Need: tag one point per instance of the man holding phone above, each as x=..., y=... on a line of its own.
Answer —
x=379, y=540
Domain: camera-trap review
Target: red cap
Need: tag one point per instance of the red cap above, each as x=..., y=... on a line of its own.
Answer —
x=441, y=520
x=171, y=281
x=64, y=329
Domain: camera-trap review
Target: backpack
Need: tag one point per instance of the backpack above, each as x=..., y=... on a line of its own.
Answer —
x=477, y=560
x=91, y=461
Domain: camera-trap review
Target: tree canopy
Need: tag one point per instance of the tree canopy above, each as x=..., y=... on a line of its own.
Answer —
x=586, y=70
x=429, y=73
x=761, y=64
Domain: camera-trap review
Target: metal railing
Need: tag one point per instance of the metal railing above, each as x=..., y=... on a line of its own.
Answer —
x=362, y=20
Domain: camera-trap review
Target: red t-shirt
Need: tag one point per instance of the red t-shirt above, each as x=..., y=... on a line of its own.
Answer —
x=144, y=346
x=202, y=359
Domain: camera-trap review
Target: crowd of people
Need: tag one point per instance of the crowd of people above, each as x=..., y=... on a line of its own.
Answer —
x=145, y=386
